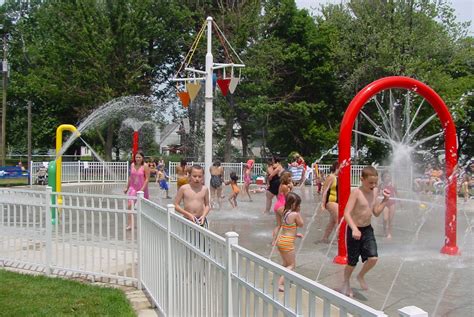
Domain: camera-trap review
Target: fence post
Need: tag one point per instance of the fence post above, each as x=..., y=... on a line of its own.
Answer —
x=412, y=311
x=170, y=210
x=140, y=197
x=230, y=238
x=103, y=172
x=31, y=172
x=49, y=228
x=79, y=171
x=128, y=171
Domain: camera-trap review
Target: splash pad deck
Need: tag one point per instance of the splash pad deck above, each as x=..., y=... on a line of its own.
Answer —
x=427, y=279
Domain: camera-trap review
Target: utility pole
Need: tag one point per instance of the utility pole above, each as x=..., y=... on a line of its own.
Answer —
x=4, y=100
x=29, y=132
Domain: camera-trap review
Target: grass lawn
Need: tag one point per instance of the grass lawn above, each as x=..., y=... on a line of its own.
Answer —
x=27, y=295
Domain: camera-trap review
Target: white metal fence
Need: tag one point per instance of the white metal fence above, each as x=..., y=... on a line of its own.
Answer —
x=203, y=274
x=186, y=270
x=87, y=172
x=108, y=172
x=85, y=234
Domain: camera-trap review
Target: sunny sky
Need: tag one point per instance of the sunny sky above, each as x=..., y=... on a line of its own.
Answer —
x=464, y=8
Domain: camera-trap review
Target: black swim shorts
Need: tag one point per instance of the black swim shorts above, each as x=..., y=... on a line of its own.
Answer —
x=366, y=247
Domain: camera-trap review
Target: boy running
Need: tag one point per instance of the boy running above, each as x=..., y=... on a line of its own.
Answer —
x=360, y=237
x=195, y=197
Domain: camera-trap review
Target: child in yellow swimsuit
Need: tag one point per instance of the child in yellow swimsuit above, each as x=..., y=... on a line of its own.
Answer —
x=289, y=221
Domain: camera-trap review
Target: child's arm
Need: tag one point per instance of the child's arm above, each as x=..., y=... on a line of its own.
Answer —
x=207, y=207
x=128, y=183
x=326, y=185
x=356, y=234
x=299, y=220
x=379, y=206
x=177, y=206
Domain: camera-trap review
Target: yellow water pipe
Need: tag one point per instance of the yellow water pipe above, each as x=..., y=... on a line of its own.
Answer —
x=59, y=160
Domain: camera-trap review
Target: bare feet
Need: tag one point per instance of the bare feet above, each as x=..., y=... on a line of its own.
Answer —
x=346, y=290
x=389, y=236
x=281, y=288
x=362, y=282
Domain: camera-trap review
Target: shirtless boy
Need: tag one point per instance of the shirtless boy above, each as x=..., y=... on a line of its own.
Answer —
x=195, y=197
x=360, y=237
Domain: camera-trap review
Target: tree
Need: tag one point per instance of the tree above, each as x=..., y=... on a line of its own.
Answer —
x=83, y=53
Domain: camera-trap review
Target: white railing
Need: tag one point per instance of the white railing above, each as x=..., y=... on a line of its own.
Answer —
x=85, y=234
x=107, y=172
x=203, y=274
x=87, y=172
x=403, y=179
x=238, y=168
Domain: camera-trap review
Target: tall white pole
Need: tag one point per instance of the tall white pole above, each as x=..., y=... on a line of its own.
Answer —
x=208, y=103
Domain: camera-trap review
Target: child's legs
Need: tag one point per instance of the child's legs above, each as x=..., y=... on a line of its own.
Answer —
x=288, y=262
x=391, y=213
x=269, y=197
x=219, y=194
x=333, y=209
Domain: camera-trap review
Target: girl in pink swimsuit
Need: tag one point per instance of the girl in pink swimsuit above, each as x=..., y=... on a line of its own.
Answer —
x=247, y=177
x=286, y=185
x=138, y=181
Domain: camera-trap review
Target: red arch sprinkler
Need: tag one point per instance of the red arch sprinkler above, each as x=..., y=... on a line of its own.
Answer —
x=450, y=139
x=134, y=145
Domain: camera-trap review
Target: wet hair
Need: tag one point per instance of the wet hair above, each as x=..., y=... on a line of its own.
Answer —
x=141, y=154
x=369, y=171
x=285, y=177
x=197, y=168
x=183, y=162
x=233, y=176
x=292, y=200
x=334, y=167
x=217, y=163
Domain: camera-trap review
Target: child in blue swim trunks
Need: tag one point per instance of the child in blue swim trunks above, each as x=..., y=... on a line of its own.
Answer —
x=162, y=178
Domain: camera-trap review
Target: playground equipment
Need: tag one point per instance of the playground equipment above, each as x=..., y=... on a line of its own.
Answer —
x=135, y=144
x=54, y=167
x=450, y=139
x=193, y=86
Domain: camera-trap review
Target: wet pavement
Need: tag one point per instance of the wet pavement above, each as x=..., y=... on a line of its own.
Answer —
x=410, y=270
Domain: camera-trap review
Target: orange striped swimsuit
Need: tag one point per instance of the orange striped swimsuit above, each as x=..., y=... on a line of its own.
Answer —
x=286, y=242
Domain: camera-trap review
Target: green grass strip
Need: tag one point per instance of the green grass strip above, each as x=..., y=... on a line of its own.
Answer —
x=27, y=295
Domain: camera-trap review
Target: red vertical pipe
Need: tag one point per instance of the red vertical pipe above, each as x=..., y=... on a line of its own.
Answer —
x=450, y=143
x=134, y=145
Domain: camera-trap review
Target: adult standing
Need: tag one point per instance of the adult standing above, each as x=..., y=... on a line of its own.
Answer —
x=138, y=181
x=274, y=171
x=330, y=200
x=217, y=178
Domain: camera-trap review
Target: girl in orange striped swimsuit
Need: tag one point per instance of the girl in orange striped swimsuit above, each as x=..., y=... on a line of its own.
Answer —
x=289, y=221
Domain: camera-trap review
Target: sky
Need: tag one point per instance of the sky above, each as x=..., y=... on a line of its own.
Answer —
x=464, y=8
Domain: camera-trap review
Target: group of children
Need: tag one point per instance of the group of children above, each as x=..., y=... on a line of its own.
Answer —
x=363, y=202
x=192, y=201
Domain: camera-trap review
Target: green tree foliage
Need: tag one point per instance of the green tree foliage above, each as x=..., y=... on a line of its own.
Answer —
x=71, y=56
x=419, y=39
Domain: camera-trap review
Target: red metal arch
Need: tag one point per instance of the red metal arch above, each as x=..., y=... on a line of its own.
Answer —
x=345, y=136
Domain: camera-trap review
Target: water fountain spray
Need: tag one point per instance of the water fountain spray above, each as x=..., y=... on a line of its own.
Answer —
x=345, y=136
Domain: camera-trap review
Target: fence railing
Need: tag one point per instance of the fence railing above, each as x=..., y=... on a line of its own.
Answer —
x=203, y=274
x=107, y=172
x=85, y=234
x=186, y=270
x=87, y=172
